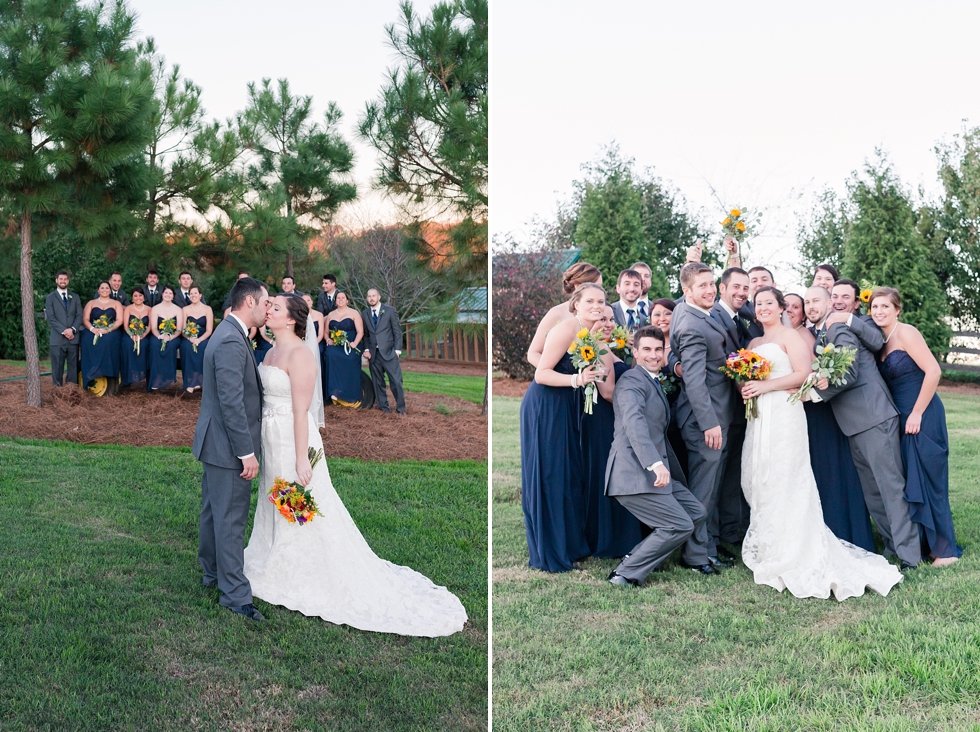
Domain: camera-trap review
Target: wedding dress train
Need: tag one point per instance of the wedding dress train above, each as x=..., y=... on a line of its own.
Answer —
x=788, y=546
x=326, y=568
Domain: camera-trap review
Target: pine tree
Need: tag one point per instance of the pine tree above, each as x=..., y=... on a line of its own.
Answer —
x=822, y=235
x=74, y=107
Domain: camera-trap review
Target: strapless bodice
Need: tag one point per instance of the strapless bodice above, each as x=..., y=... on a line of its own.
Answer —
x=97, y=312
x=781, y=365
x=899, y=364
x=277, y=395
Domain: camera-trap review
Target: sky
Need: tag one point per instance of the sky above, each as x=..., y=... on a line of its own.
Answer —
x=767, y=103
x=328, y=49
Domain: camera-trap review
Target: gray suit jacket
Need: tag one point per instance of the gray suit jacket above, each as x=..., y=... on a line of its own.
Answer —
x=700, y=344
x=230, y=422
x=59, y=317
x=864, y=401
x=639, y=437
x=619, y=315
x=386, y=338
x=323, y=303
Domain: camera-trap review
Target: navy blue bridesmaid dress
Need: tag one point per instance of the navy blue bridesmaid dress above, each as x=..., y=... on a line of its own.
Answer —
x=610, y=530
x=192, y=364
x=262, y=347
x=553, y=480
x=133, y=369
x=343, y=368
x=101, y=358
x=838, y=483
x=323, y=361
x=925, y=455
x=163, y=365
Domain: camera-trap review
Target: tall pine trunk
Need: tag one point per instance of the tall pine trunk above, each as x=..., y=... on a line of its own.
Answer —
x=27, y=314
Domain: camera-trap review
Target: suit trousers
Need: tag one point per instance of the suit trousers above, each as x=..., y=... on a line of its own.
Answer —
x=877, y=456
x=61, y=355
x=705, y=469
x=390, y=366
x=225, y=500
x=675, y=518
x=732, y=518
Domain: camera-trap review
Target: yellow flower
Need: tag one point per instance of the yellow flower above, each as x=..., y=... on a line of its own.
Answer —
x=582, y=333
x=726, y=222
x=571, y=348
x=587, y=353
x=865, y=295
x=740, y=226
x=828, y=349
x=736, y=212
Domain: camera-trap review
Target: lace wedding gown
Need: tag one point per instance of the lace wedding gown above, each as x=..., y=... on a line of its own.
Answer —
x=788, y=546
x=325, y=568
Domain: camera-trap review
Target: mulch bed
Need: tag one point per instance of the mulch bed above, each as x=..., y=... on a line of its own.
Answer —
x=436, y=427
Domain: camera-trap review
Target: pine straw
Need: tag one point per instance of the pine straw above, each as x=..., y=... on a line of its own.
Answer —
x=167, y=419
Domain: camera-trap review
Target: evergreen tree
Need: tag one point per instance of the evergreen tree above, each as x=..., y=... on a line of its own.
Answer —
x=74, y=107
x=669, y=231
x=822, y=235
x=884, y=247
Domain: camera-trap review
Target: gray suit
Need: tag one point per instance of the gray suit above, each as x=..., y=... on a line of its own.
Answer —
x=706, y=400
x=63, y=351
x=639, y=441
x=621, y=318
x=228, y=428
x=865, y=412
x=383, y=340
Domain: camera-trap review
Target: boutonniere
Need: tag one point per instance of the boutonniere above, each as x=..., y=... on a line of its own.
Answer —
x=746, y=323
x=381, y=312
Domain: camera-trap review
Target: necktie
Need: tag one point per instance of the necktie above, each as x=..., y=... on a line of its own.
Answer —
x=631, y=321
x=643, y=310
x=64, y=299
x=374, y=317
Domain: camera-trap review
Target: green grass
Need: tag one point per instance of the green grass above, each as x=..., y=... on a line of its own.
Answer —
x=469, y=388
x=685, y=652
x=104, y=624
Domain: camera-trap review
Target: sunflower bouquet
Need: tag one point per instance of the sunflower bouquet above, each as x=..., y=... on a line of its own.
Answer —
x=586, y=351
x=136, y=329
x=167, y=327
x=339, y=338
x=746, y=365
x=619, y=342
x=191, y=330
x=831, y=363
x=737, y=226
x=867, y=287
x=294, y=502
x=100, y=323
x=269, y=334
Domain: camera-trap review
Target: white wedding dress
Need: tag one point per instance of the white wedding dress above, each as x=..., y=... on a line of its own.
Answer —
x=788, y=546
x=325, y=568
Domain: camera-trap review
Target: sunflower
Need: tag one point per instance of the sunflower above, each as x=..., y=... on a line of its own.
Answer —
x=571, y=348
x=736, y=212
x=587, y=353
x=582, y=333
x=726, y=222
x=740, y=226
x=865, y=296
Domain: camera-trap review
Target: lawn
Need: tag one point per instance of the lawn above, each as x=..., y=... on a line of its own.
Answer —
x=686, y=652
x=464, y=387
x=104, y=624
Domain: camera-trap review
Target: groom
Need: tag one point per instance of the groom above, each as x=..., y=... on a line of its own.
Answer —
x=227, y=441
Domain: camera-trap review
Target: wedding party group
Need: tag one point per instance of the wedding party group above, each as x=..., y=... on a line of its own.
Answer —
x=736, y=423
x=148, y=333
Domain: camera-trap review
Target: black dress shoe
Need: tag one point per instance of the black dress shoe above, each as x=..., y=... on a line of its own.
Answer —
x=702, y=568
x=402, y=412
x=210, y=585
x=906, y=567
x=724, y=554
x=720, y=563
x=249, y=612
x=386, y=411
x=618, y=579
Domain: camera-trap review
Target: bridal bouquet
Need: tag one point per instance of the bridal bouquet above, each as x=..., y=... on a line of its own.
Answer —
x=736, y=226
x=745, y=366
x=167, y=327
x=100, y=323
x=191, y=330
x=619, y=343
x=292, y=500
x=339, y=338
x=832, y=364
x=585, y=351
x=136, y=329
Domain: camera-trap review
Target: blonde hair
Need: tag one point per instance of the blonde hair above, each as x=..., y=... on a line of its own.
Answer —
x=580, y=291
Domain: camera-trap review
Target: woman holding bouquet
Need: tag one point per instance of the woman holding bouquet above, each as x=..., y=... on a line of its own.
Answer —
x=198, y=318
x=135, y=365
x=912, y=374
x=101, y=318
x=344, y=359
x=554, y=482
x=166, y=323
x=578, y=274
x=319, y=323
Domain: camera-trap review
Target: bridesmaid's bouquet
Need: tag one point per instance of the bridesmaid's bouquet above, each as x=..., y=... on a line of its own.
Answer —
x=270, y=335
x=867, y=287
x=191, y=330
x=618, y=344
x=136, y=329
x=832, y=364
x=167, y=327
x=745, y=366
x=339, y=338
x=736, y=226
x=294, y=502
x=585, y=351
x=100, y=323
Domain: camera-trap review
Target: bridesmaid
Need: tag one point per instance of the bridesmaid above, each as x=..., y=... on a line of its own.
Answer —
x=262, y=337
x=321, y=334
x=825, y=275
x=794, y=311
x=578, y=274
x=163, y=363
x=610, y=530
x=191, y=363
x=134, y=366
x=553, y=477
x=101, y=357
x=912, y=374
x=344, y=364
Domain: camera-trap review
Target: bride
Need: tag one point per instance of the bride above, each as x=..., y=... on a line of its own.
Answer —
x=788, y=545
x=324, y=568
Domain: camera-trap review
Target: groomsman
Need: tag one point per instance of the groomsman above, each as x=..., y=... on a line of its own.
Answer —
x=626, y=311
x=638, y=473
x=63, y=311
x=182, y=298
x=289, y=286
x=383, y=338
x=116, y=293
x=646, y=276
x=866, y=414
x=326, y=301
x=152, y=291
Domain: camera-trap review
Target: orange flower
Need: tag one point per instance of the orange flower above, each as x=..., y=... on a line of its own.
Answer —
x=740, y=226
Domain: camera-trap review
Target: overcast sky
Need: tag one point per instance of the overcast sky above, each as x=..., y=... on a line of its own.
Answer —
x=331, y=50
x=768, y=102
